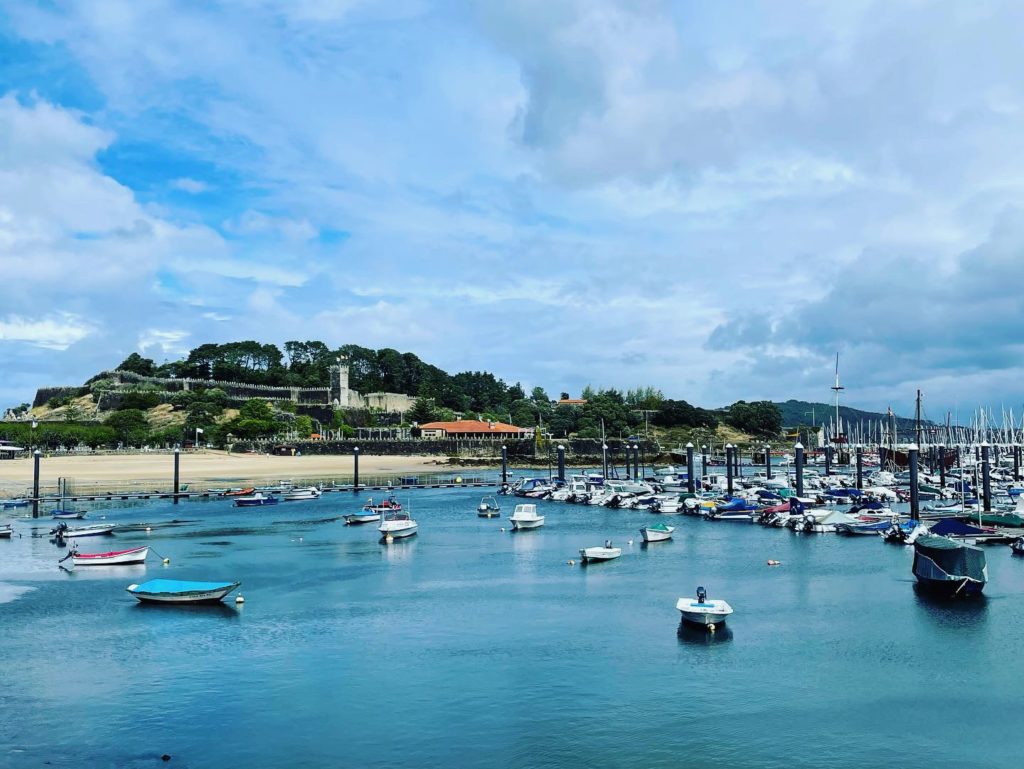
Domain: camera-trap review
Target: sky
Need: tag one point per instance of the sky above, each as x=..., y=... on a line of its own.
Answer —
x=713, y=198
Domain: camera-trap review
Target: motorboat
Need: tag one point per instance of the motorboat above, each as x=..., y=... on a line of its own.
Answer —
x=397, y=525
x=488, y=508
x=948, y=567
x=67, y=515
x=301, y=494
x=703, y=611
x=364, y=516
x=734, y=509
x=113, y=558
x=259, y=499
x=389, y=505
x=605, y=553
x=177, y=591
x=659, y=532
x=525, y=517
x=62, y=531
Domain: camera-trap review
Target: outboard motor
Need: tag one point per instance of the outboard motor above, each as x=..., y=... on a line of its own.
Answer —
x=808, y=524
x=702, y=594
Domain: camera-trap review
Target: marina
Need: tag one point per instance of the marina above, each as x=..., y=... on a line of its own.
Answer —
x=473, y=605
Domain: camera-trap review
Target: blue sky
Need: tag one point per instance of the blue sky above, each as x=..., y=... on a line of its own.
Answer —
x=712, y=198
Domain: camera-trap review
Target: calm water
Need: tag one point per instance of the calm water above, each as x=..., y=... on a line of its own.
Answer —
x=473, y=647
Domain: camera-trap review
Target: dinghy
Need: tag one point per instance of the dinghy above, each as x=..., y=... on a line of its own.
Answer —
x=703, y=611
x=488, y=508
x=594, y=554
x=525, y=517
x=63, y=532
x=659, y=532
x=113, y=558
x=178, y=591
x=364, y=517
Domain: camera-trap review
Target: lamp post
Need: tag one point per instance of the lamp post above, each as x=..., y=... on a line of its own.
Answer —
x=799, y=451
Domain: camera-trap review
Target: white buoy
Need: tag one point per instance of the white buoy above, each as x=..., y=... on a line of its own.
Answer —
x=388, y=538
x=148, y=529
x=503, y=528
x=711, y=627
x=166, y=561
x=631, y=543
x=239, y=599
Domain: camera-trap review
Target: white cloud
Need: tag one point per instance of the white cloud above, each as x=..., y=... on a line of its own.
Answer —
x=57, y=331
x=191, y=186
x=167, y=342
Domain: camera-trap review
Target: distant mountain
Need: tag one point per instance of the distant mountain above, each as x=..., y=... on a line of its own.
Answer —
x=799, y=413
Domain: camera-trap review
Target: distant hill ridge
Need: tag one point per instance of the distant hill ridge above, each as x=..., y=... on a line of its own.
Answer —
x=796, y=413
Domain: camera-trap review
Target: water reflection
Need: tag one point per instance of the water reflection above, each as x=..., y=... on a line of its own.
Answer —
x=219, y=609
x=700, y=636
x=398, y=550
x=952, y=612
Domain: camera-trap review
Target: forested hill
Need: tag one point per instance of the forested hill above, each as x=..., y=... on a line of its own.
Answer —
x=796, y=413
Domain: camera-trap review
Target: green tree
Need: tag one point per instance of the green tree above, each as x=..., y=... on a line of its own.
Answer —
x=303, y=426
x=129, y=425
x=758, y=417
x=137, y=365
x=422, y=411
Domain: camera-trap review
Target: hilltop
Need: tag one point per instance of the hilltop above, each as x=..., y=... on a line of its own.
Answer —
x=796, y=413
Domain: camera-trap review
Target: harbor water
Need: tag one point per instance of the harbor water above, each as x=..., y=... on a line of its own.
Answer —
x=473, y=646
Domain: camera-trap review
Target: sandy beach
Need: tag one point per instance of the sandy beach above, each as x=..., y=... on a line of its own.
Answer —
x=118, y=471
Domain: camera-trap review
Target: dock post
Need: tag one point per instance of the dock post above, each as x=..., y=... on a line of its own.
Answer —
x=177, y=474
x=986, y=480
x=860, y=466
x=942, y=466
x=561, y=462
x=737, y=467
x=799, y=449
x=728, y=467
x=1016, y=463
x=355, y=470
x=504, y=465
x=628, y=474
x=915, y=499
x=36, y=455
x=768, y=461
x=703, y=464
x=636, y=461
x=690, y=485
x=604, y=460
x=828, y=460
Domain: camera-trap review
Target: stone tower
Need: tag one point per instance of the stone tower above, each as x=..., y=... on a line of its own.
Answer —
x=340, y=394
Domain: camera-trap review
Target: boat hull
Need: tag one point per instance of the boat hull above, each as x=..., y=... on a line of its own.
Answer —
x=358, y=518
x=706, y=614
x=138, y=555
x=95, y=531
x=598, y=554
x=398, y=533
x=200, y=594
x=525, y=524
x=654, y=535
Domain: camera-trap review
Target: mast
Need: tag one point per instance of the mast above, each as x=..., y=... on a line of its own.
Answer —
x=837, y=388
x=917, y=420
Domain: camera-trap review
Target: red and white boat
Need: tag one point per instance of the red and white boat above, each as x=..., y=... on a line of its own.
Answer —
x=113, y=558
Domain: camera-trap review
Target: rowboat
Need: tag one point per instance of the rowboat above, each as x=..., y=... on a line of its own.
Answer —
x=63, y=532
x=256, y=500
x=179, y=591
x=606, y=553
x=113, y=558
x=703, y=611
x=59, y=515
x=298, y=495
x=659, y=532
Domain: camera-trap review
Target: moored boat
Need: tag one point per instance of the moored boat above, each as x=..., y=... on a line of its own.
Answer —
x=302, y=494
x=177, y=591
x=397, y=525
x=706, y=612
x=362, y=517
x=239, y=492
x=59, y=515
x=6, y=530
x=113, y=558
x=256, y=500
x=525, y=517
x=949, y=567
x=605, y=553
x=488, y=508
x=62, y=531
x=659, y=532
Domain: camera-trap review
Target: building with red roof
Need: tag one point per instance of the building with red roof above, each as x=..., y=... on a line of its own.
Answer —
x=473, y=428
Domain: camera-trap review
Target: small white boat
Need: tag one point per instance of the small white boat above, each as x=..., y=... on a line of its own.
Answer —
x=6, y=530
x=703, y=611
x=59, y=515
x=181, y=591
x=366, y=516
x=397, y=525
x=488, y=508
x=299, y=495
x=64, y=532
x=115, y=558
x=525, y=517
x=659, y=532
x=605, y=553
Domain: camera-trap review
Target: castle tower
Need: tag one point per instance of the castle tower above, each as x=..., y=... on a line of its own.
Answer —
x=340, y=394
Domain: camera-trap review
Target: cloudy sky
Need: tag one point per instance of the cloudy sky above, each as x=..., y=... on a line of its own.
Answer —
x=711, y=197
